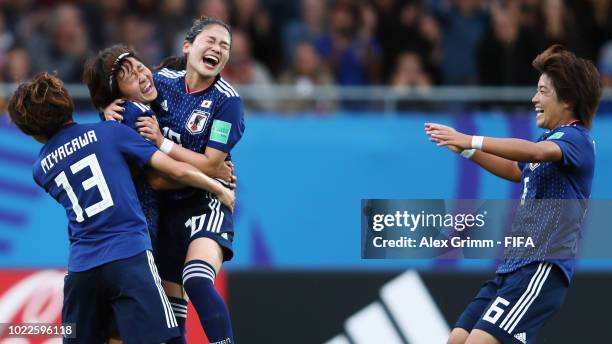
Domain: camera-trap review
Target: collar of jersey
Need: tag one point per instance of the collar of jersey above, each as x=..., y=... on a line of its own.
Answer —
x=200, y=90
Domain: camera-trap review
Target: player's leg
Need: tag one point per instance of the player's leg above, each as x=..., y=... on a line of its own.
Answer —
x=458, y=336
x=472, y=312
x=481, y=337
x=527, y=298
x=202, y=264
x=86, y=305
x=141, y=308
x=178, y=302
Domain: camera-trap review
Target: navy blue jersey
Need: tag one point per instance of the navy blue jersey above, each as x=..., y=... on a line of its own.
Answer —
x=212, y=117
x=146, y=195
x=554, y=201
x=85, y=168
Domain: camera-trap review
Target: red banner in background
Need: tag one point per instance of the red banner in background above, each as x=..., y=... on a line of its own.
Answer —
x=35, y=296
x=31, y=296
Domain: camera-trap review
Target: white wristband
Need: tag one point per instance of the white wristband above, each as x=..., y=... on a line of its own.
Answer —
x=166, y=146
x=477, y=142
x=467, y=153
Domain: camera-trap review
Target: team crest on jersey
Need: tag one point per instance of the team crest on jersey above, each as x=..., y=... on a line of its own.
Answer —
x=533, y=166
x=206, y=104
x=197, y=121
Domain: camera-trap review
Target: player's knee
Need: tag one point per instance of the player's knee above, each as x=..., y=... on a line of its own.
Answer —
x=458, y=336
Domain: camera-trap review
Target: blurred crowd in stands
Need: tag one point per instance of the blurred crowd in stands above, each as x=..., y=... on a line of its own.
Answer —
x=403, y=43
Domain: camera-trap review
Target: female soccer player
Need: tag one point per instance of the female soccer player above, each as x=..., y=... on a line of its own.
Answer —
x=84, y=167
x=202, y=119
x=556, y=172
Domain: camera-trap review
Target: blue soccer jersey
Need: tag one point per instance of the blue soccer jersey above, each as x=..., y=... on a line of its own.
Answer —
x=146, y=195
x=212, y=117
x=554, y=202
x=85, y=168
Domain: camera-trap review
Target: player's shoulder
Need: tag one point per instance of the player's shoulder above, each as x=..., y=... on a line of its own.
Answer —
x=570, y=132
x=226, y=90
x=136, y=107
x=168, y=75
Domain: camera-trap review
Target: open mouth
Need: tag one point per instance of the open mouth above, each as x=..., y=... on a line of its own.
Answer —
x=148, y=88
x=539, y=111
x=211, y=61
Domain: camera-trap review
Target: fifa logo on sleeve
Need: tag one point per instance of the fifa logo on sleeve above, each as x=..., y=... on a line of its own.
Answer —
x=197, y=121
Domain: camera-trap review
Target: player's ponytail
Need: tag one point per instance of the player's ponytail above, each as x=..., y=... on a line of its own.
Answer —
x=172, y=62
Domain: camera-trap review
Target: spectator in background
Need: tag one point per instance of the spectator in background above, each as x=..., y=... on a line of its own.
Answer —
x=559, y=26
x=172, y=20
x=350, y=47
x=139, y=33
x=104, y=21
x=505, y=54
x=18, y=67
x=6, y=39
x=63, y=47
x=463, y=25
x=252, y=18
x=604, y=63
x=309, y=27
x=243, y=69
x=409, y=72
x=593, y=18
x=213, y=9
x=307, y=72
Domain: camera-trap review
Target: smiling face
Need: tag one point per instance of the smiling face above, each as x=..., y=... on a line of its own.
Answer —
x=209, y=52
x=550, y=111
x=136, y=81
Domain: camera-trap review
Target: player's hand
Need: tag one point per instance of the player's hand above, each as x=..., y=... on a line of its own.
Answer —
x=227, y=197
x=445, y=136
x=113, y=111
x=149, y=128
x=233, y=178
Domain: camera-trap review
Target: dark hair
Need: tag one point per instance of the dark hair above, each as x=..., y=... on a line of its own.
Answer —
x=100, y=74
x=575, y=80
x=41, y=106
x=180, y=62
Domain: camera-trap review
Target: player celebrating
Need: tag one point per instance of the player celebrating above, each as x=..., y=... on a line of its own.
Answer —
x=530, y=287
x=204, y=116
x=84, y=167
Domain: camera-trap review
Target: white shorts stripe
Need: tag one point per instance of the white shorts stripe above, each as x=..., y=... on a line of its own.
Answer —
x=522, y=298
x=214, y=214
x=170, y=319
x=218, y=214
x=218, y=230
x=505, y=324
x=543, y=280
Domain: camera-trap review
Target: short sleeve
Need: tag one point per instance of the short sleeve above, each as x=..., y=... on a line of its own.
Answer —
x=228, y=125
x=132, y=145
x=573, y=145
x=133, y=111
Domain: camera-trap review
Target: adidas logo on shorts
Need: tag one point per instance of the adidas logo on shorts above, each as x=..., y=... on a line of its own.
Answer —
x=521, y=337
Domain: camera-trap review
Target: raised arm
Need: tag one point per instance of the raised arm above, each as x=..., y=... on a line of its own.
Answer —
x=211, y=161
x=190, y=175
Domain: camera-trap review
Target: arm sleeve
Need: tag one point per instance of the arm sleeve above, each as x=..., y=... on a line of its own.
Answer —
x=133, y=111
x=228, y=125
x=133, y=146
x=572, y=143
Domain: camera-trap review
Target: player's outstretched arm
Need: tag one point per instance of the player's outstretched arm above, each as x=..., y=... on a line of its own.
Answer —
x=212, y=161
x=512, y=149
x=501, y=167
x=190, y=175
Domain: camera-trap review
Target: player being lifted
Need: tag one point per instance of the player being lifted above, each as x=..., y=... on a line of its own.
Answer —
x=84, y=167
x=556, y=173
x=202, y=118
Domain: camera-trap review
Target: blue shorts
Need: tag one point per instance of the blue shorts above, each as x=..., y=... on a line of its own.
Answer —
x=181, y=222
x=127, y=289
x=513, y=307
